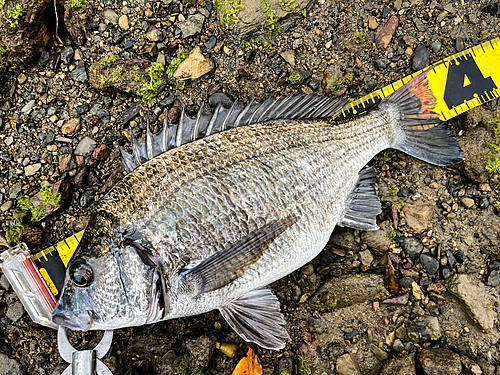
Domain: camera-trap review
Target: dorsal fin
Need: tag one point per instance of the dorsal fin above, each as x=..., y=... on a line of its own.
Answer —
x=364, y=205
x=291, y=107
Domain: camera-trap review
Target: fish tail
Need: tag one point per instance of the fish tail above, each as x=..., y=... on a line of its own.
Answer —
x=420, y=132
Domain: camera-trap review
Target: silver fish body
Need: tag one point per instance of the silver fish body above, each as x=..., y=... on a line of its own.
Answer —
x=209, y=224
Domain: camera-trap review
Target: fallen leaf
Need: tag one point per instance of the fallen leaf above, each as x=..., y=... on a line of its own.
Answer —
x=227, y=349
x=249, y=365
x=3, y=241
x=390, y=280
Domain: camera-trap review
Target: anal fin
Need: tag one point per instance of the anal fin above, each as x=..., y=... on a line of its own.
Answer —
x=256, y=317
x=364, y=203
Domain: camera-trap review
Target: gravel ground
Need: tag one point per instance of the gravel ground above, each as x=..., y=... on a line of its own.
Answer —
x=347, y=313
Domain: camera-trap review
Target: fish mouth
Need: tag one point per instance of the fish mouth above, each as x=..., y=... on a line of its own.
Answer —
x=76, y=320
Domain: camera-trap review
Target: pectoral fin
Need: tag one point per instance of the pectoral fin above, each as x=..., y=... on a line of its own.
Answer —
x=229, y=264
x=256, y=317
x=364, y=205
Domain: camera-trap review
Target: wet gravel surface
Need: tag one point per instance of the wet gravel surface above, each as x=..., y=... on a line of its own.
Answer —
x=422, y=288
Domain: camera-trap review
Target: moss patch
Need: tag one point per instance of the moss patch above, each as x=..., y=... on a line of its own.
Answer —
x=148, y=91
x=295, y=79
x=229, y=10
x=493, y=166
x=271, y=18
x=182, y=55
x=3, y=52
x=304, y=367
x=13, y=16
x=78, y=4
x=2, y=3
x=393, y=190
x=289, y=5
x=110, y=59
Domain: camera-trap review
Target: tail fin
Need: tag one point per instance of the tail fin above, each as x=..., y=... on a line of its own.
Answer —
x=425, y=136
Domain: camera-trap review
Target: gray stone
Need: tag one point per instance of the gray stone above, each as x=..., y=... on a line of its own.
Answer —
x=110, y=15
x=347, y=290
x=368, y=362
x=38, y=114
x=398, y=346
x=7, y=206
x=365, y=257
x=15, y=190
x=429, y=328
x=419, y=24
x=439, y=361
x=400, y=366
x=494, y=278
x=28, y=107
x=421, y=58
x=347, y=365
x=473, y=296
x=436, y=46
x=67, y=55
x=379, y=353
x=85, y=146
x=430, y=264
x=30, y=170
x=4, y=283
x=200, y=350
x=9, y=366
x=412, y=246
x=219, y=97
x=86, y=198
x=15, y=311
x=79, y=74
x=288, y=56
x=192, y=25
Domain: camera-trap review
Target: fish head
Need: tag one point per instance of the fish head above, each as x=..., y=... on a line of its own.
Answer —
x=109, y=284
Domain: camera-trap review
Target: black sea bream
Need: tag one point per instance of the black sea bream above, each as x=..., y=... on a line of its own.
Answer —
x=218, y=207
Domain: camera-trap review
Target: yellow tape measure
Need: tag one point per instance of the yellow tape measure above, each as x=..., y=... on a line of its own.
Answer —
x=459, y=82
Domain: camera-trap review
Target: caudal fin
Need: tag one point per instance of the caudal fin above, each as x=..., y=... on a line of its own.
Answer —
x=425, y=136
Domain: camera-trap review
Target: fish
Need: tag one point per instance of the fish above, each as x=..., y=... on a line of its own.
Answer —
x=216, y=208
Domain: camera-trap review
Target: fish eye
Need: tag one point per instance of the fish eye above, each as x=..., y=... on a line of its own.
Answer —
x=81, y=273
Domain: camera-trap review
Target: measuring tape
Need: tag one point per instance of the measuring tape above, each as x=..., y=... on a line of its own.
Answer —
x=459, y=82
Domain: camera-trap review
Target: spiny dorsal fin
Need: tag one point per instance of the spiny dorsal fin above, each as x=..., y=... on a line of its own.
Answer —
x=364, y=203
x=256, y=317
x=291, y=107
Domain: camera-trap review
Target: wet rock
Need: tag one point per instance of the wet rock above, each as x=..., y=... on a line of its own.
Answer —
x=85, y=146
x=400, y=366
x=475, y=299
x=66, y=55
x=31, y=235
x=436, y=46
x=9, y=366
x=494, y=278
x=421, y=58
x=15, y=311
x=192, y=25
x=430, y=264
x=378, y=239
x=439, y=361
x=200, y=350
x=412, y=246
x=347, y=365
x=71, y=126
x=79, y=74
x=219, y=97
x=194, y=66
x=101, y=152
x=86, y=198
x=74, y=21
x=129, y=43
x=346, y=291
x=419, y=216
x=25, y=42
x=384, y=35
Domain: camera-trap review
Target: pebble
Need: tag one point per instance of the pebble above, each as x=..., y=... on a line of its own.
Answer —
x=7, y=206
x=211, y=43
x=350, y=335
x=28, y=107
x=372, y=23
x=219, y=97
x=67, y=55
x=467, y=202
x=192, y=25
x=85, y=146
x=366, y=257
x=412, y=246
x=155, y=35
x=15, y=311
x=417, y=292
x=406, y=282
x=4, y=283
x=15, y=190
x=419, y=24
x=129, y=43
x=494, y=278
x=21, y=78
x=8, y=141
x=86, y=198
x=200, y=350
x=288, y=56
x=436, y=46
x=71, y=126
x=430, y=264
x=44, y=59
x=79, y=74
x=379, y=353
x=101, y=152
x=421, y=58
x=123, y=22
x=30, y=170
x=110, y=15
x=347, y=365
x=384, y=35
x=398, y=346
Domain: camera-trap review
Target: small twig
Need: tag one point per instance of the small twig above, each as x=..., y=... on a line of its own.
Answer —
x=57, y=23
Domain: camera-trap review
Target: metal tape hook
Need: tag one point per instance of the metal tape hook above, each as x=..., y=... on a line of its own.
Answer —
x=84, y=362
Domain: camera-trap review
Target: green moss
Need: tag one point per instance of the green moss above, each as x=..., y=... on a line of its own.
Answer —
x=271, y=18
x=229, y=10
x=304, y=13
x=78, y=4
x=494, y=148
x=182, y=55
x=13, y=17
x=358, y=38
x=116, y=75
x=493, y=166
x=284, y=372
x=333, y=85
x=386, y=154
x=289, y=6
x=110, y=59
x=182, y=368
x=2, y=3
x=148, y=91
x=392, y=232
x=136, y=73
x=393, y=190
x=304, y=367
x=198, y=371
x=399, y=204
x=255, y=43
x=12, y=234
x=295, y=79
x=49, y=198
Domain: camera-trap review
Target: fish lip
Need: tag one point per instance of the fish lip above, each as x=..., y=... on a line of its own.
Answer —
x=76, y=320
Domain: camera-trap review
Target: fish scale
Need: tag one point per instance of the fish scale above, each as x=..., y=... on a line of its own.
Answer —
x=209, y=223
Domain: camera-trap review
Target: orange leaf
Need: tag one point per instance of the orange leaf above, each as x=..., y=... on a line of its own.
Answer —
x=249, y=365
x=390, y=280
